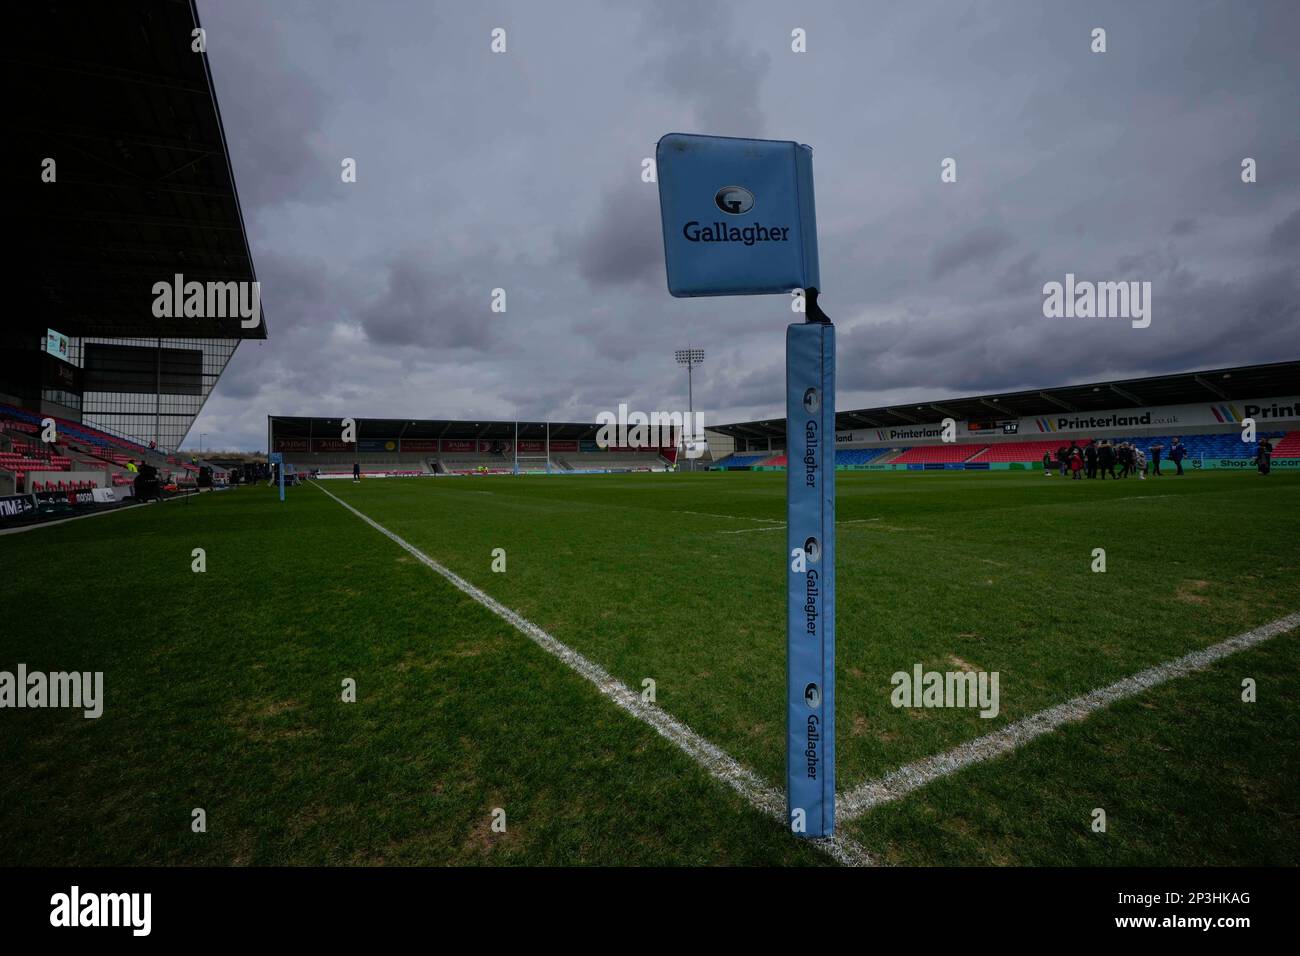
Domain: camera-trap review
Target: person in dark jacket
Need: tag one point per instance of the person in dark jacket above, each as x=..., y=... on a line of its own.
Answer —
x=356, y=471
x=1047, y=464
x=1177, y=452
x=1264, y=457
x=1156, y=451
x=1063, y=460
x=1106, y=459
x=1090, y=459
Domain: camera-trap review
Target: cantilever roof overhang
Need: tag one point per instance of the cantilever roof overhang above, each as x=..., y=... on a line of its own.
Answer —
x=116, y=96
x=1215, y=385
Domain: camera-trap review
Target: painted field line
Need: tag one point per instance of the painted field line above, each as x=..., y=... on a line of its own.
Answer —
x=716, y=762
x=915, y=775
x=705, y=514
x=781, y=526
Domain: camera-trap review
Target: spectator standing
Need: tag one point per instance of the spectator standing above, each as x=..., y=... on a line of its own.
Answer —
x=1156, y=451
x=1047, y=464
x=1090, y=459
x=1177, y=452
x=1106, y=459
x=1264, y=457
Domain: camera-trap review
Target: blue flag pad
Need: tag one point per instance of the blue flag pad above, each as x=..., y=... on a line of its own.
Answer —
x=810, y=569
x=738, y=216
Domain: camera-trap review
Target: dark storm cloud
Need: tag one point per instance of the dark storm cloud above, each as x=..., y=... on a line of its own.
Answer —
x=522, y=171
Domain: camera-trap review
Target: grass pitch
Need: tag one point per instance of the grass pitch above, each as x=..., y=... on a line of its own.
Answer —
x=223, y=688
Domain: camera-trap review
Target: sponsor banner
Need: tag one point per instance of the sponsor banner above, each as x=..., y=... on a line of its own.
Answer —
x=330, y=444
x=290, y=444
x=15, y=506
x=462, y=444
x=565, y=445
x=1284, y=464
x=377, y=444
x=532, y=446
x=84, y=497
x=588, y=445
x=415, y=446
x=1270, y=414
x=1265, y=412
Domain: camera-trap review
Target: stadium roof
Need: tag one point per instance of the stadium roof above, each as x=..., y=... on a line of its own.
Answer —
x=297, y=427
x=115, y=95
x=1224, y=384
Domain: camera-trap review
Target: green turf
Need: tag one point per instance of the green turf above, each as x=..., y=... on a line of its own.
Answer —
x=224, y=687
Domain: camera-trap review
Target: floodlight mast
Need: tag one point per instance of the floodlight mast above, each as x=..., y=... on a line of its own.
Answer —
x=690, y=358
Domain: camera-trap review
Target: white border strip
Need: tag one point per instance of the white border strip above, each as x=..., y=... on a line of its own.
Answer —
x=715, y=761
x=913, y=776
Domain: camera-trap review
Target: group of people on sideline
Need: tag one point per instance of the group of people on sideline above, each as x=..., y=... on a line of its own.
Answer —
x=1101, y=459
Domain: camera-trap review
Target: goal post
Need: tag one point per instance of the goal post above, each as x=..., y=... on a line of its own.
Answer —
x=533, y=464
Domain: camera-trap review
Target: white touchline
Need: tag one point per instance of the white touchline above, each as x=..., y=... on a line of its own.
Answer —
x=913, y=776
x=717, y=762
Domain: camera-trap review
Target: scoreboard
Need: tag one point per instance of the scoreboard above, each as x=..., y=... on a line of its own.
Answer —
x=1008, y=427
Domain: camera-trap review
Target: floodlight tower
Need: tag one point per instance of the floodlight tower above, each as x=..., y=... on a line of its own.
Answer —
x=690, y=358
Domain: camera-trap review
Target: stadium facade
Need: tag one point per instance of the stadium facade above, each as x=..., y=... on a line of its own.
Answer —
x=1205, y=409
x=123, y=183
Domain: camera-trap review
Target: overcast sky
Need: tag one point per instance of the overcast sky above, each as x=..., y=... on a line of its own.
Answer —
x=522, y=170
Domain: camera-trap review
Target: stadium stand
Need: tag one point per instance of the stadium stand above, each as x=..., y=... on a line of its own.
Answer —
x=1288, y=446
x=860, y=456
x=938, y=454
x=1025, y=451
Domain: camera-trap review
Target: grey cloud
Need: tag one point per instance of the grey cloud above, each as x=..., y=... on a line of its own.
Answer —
x=422, y=306
x=978, y=246
x=621, y=243
x=521, y=171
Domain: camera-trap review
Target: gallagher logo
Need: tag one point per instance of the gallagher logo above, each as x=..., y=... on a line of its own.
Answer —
x=734, y=200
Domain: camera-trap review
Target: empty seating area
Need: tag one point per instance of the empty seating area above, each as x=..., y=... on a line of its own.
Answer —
x=42, y=486
x=1288, y=446
x=744, y=459
x=937, y=454
x=859, y=456
x=1025, y=450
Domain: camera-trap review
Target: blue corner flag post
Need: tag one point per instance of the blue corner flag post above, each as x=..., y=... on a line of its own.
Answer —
x=739, y=219
x=277, y=459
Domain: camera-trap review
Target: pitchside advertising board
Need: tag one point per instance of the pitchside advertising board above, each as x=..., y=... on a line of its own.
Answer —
x=738, y=219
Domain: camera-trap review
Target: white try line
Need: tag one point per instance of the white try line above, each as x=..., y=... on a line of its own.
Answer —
x=716, y=762
x=913, y=776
